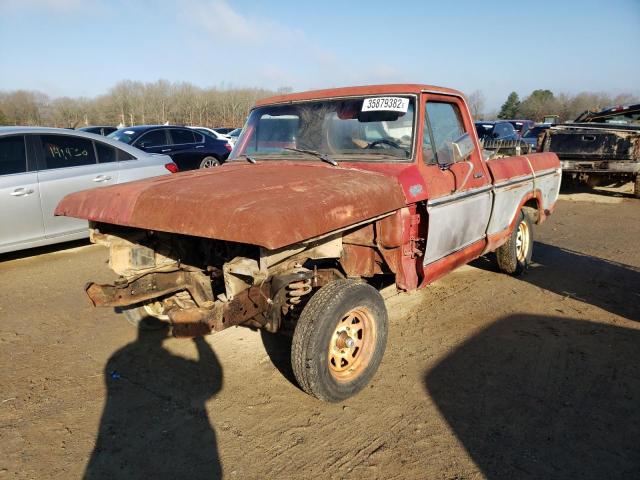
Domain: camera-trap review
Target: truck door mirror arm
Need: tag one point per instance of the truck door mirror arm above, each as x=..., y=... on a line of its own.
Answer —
x=460, y=151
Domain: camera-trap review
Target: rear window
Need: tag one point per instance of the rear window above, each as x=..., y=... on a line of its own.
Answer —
x=533, y=132
x=106, y=153
x=12, y=155
x=180, y=136
x=61, y=151
x=484, y=129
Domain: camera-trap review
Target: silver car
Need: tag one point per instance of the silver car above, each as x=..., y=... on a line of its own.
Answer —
x=39, y=166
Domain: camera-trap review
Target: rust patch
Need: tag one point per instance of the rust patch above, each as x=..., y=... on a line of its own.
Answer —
x=238, y=202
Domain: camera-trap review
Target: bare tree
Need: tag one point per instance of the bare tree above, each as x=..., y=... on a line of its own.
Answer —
x=476, y=103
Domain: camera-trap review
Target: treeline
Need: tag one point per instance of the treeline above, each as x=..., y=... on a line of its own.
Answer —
x=544, y=102
x=134, y=103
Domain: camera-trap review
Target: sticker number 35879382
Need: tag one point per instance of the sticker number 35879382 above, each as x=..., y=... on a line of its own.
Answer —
x=394, y=104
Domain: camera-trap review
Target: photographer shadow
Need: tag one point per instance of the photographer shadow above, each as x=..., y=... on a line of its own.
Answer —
x=544, y=397
x=155, y=423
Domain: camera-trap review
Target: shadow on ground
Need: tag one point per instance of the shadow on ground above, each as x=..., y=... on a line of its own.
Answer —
x=34, y=252
x=612, y=286
x=543, y=397
x=155, y=423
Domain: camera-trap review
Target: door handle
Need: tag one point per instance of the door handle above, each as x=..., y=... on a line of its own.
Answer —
x=478, y=175
x=166, y=150
x=101, y=178
x=199, y=146
x=21, y=192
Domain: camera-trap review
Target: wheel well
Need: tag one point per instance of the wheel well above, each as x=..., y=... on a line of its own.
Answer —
x=531, y=208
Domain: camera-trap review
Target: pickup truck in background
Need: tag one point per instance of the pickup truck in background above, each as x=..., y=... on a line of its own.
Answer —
x=599, y=148
x=325, y=194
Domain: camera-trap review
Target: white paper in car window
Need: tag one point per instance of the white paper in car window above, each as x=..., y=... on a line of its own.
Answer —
x=389, y=104
x=129, y=132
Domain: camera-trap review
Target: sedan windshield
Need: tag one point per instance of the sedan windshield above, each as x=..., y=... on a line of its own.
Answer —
x=484, y=129
x=124, y=135
x=373, y=126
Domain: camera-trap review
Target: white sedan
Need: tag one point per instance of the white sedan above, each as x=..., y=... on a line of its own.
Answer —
x=39, y=166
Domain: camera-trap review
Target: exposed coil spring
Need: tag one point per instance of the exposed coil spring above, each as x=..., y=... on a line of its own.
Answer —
x=294, y=293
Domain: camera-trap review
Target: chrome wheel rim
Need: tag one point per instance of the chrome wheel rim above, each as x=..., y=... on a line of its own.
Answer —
x=209, y=163
x=523, y=240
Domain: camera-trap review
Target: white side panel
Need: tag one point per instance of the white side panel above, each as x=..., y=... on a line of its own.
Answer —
x=506, y=202
x=455, y=223
x=549, y=186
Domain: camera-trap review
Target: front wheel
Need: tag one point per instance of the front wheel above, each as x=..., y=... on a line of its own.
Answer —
x=514, y=256
x=339, y=340
x=209, y=162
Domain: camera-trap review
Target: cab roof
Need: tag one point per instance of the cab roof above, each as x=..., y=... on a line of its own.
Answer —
x=395, y=88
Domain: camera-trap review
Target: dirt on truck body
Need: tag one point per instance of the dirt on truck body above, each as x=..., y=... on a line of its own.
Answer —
x=325, y=192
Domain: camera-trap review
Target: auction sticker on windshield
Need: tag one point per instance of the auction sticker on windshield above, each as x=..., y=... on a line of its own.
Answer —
x=394, y=104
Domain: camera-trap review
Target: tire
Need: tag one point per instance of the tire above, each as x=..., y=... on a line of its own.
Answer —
x=636, y=188
x=514, y=256
x=140, y=318
x=339, y=340
x=209, y=162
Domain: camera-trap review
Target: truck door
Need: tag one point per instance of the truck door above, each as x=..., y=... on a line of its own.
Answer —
x=459, y=205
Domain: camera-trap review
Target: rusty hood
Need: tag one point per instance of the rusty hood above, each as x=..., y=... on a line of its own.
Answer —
x=271, y=204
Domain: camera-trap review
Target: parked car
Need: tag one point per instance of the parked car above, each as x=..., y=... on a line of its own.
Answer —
x=499, y=130
x=521, y=126
x=337, y=190
x=211, y=132
x=233, y=135
x=532, y=134
x=188, y=149
x=224, y=130
x=39, y=166
x=103, y=130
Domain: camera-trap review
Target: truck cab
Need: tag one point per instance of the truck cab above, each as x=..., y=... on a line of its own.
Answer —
x=324, y=192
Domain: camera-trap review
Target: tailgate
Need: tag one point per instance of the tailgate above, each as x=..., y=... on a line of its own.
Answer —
x=593, y=144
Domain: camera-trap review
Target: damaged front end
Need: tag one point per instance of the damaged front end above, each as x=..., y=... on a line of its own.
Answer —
x=203, y=285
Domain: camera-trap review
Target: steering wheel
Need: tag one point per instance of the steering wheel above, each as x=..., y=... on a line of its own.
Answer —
x=384, y=141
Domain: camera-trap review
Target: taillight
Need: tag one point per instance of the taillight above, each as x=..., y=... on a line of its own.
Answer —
x=172, y=167
x=228, y=147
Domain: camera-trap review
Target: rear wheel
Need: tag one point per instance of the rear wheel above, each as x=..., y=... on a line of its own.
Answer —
x=636, y=189
x=339, y=340
x=209, y=162
x=514, y=256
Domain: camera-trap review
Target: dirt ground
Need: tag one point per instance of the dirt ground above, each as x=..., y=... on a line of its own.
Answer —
x=485, y=376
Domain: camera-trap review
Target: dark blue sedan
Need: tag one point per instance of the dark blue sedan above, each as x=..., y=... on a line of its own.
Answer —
x=499, y=130
x=189, y=149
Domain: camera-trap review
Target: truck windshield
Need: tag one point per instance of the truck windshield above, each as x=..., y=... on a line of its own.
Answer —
x=379, y=127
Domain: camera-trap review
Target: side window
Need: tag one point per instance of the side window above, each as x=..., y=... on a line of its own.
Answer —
x=446, y=126
x=428, y=154
x=62, y=151
x=122, y=155
x=154, y=138
x=199, y=137
x=181, y=136
x=12, y=155
x=106, y=153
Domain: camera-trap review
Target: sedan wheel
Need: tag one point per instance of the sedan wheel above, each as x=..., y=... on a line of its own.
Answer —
x=209, y=162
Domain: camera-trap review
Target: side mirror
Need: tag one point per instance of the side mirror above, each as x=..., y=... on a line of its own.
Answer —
x=462, y=148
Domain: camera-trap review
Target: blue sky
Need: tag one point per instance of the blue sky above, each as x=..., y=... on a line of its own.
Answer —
x=82, y=47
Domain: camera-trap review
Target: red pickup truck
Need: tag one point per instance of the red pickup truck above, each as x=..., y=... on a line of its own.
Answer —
x=324, y=193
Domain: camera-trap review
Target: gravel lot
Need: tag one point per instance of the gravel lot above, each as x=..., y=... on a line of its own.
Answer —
x=485, y=376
